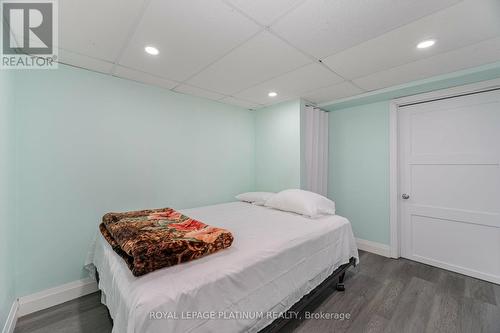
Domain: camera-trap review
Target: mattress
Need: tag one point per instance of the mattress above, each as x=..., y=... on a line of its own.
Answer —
x=276, y=258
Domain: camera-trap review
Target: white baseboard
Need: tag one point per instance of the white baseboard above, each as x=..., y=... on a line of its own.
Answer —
x=374, y=247
x=54, y=296
x=10, y=324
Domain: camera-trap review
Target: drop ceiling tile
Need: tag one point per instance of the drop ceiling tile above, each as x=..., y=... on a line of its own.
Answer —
x=291, y=84
x=266, y=101
x=195, y=91
x=96, y=28
x=265, y=11
x=278, y=99
x=240, y=103
x=189, y=34
x=325, y=27
x=470, y=56
x=78, y=60
x=466, y=23
x=328, y=94
x=132, y=74
x=261, y=58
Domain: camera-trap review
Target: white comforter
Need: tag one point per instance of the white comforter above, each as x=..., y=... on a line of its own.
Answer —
x=276, y=258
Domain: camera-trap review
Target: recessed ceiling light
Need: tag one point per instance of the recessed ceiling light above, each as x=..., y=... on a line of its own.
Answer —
x=151, y=50
x=426, y=43
x=272, y=94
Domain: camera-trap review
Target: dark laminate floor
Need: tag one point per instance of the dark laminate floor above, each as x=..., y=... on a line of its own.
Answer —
x=382, y=295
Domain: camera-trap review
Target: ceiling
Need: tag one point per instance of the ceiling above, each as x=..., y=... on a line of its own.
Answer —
x=237, y=51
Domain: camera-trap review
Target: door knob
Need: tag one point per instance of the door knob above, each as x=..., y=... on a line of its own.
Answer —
x=405, y=196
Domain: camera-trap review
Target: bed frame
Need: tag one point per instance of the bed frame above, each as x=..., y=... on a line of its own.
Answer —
x=311, y=300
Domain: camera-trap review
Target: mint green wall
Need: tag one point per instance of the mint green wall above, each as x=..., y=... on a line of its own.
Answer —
x=359, y=168
x=89, y=143
x=7, y=232
x=359, y=150
x=277, y=146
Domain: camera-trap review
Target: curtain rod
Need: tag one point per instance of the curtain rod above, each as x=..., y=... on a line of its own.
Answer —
x=314, y=106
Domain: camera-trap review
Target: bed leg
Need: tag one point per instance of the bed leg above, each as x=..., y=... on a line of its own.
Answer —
x=340, y=285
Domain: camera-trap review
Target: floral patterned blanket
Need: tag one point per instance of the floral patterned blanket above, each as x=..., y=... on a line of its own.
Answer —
x=152, y=239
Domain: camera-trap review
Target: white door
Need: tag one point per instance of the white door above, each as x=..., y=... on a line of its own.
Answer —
x=449, y=191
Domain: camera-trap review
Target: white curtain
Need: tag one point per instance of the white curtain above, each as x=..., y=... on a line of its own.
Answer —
x=316, y=150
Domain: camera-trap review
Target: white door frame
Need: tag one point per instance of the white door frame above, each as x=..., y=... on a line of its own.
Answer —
x=394, y=216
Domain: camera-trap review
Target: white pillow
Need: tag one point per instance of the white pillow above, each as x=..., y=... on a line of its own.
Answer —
x=257, y=198
x=302, y=202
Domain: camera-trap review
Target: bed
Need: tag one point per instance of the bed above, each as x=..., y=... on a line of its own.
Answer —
x=276, y=258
